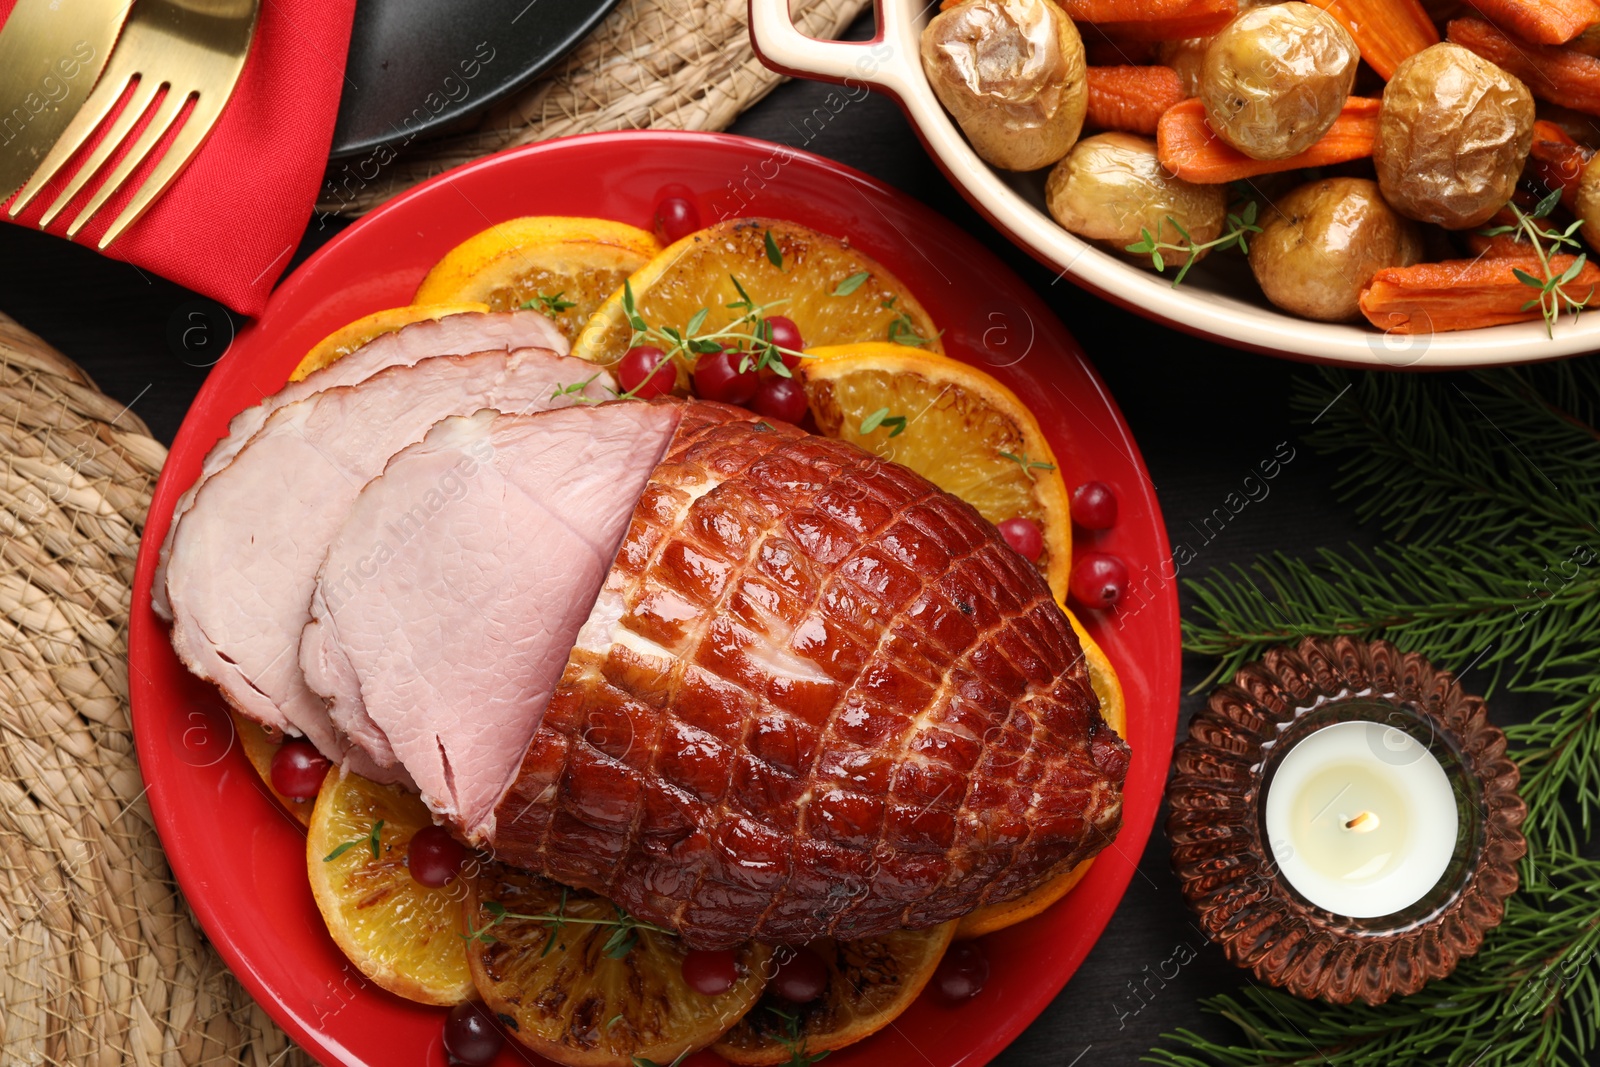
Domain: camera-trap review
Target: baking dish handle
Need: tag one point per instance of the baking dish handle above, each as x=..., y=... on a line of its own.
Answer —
x=886, y=61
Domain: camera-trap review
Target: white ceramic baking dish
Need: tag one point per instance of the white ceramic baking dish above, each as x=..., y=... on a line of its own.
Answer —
x=1231, y=311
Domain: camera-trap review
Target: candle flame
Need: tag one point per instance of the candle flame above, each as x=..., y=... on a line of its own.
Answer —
x=1364, y=823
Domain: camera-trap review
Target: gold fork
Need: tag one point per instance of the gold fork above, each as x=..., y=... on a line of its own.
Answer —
x=194, y=49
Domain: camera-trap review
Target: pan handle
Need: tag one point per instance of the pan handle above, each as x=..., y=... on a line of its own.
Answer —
x=888, y=61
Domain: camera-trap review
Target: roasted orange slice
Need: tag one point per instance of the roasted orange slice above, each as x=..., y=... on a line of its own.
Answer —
x=259, y=747
x=870, y=982
x=401, y=934
x=833, y=293
x=346, y=339
x=1114, y=708
x=580, y=982
x=564, y=267
x=954, y=425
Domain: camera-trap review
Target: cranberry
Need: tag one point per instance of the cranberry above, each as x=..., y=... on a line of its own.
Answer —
x=782, y=332
x=645, y=372
x=801, y=978
x=435, y=858
x=781, y=398
x=711, y=973
x=962, y=972
x=676, y=218
x=717, y=376
x=470, y=1037
x=298, y=770
x=1098, y=580
x=1094, y=506
x=1025, y=536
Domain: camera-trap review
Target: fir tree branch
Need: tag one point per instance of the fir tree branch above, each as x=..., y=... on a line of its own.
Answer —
x=1530, y=997
x=1506, y=608
x=1434, y=462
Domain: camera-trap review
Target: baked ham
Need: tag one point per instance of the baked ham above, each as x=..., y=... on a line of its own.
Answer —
x=814, y=694
x=245, y=557
x=448, y=336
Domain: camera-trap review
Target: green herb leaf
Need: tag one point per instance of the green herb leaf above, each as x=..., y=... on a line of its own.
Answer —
x=372, y=838
x=339, y=851
x=697, y=320
x=851, y=284
x=1027, y=464
x=631, y=309
x=550, y=305
x=774, y=256
x=1547, y=206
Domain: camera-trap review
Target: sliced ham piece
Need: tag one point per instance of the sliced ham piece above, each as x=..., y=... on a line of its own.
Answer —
x=814, y=696
x=245, y=557
x=452, y=595
x=451, y=335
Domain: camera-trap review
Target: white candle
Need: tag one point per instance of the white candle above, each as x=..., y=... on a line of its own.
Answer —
x=1361, y=819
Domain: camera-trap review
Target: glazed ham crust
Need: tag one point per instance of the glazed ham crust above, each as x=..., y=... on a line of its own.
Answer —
x=817, y=696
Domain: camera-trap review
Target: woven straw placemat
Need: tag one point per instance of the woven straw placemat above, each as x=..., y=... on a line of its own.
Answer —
x=652, y=64
x=101, y=963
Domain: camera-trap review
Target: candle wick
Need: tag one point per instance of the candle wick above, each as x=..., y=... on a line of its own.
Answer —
x=1364, y=823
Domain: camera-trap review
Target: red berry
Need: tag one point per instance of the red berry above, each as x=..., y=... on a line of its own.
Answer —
x=1098, y=580
x=711, y=973
x=298, y=770
x=1025, y=536
x=717, y=376
x=645, y=372
x=962, y=972
x=676, y=218
x=470, y=1037
x=1094, y=506
x=781, y=398
x=435, y=858
x=801, y=978
x=782, y=332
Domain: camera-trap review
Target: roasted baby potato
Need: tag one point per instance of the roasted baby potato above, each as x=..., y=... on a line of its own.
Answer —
x=1012, y=74
x=1589, y=202
x=1113, y=186
x=1322, y=243
x=1453, y=136
x=1275, y=79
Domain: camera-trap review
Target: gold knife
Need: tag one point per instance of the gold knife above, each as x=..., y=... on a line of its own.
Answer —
x=50, y=55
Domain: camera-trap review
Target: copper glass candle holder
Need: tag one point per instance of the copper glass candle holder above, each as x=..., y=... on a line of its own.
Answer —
x=1218, y=831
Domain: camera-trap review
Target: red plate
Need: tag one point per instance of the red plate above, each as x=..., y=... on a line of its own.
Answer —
x=241, y=860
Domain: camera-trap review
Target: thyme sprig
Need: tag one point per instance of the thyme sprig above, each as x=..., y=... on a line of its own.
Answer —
x=621, y=941
x=1548, y=242
x=551, y=305
x=1236, y=233
x=793, y=1041
x=881, y=417
x=372, y=841
x=1027, y=463
x=749, y=333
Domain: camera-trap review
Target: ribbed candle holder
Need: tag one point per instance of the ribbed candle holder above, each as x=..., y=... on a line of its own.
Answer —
x=1224, y=861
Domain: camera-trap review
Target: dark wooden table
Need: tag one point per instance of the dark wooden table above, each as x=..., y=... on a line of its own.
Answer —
x=1204, y=416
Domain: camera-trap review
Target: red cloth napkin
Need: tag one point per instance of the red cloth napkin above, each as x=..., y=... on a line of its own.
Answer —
x=228, y=225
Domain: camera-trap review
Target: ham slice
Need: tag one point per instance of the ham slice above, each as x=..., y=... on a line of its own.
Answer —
x=454, y=591
x=245, y=557
x=451, y=335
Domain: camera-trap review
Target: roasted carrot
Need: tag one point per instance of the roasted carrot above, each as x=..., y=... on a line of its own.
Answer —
x=1190, y=150
x=1559, y=75
x=1465, y=294
x=1540, y=21
x=1132, y=98
x=1153, y=22
x=1557, y=161
x=1387, y=31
